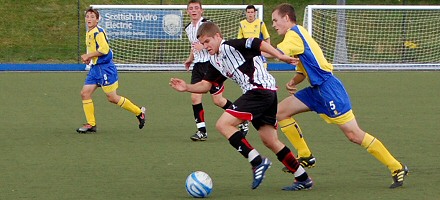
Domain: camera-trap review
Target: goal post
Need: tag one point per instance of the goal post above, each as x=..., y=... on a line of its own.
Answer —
x=360, y=37
x=152, y=37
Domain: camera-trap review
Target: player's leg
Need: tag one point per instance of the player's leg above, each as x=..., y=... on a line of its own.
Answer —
x=110, y=85
x=197, y=74
x=220, y=101
x=199, y=117
x=227, y=126
x=244, y=108
x=266, y=124
x=335, y=97
x=89, y=108
x=375, y=147
x=126, y=104
x=287, y=108
x=269, y=136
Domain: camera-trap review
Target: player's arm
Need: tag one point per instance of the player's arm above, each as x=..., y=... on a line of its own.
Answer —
x=291, y=85
x=181, y=86
x=265, y=33
x=240, y=32
x=87, y=57
x=267, y=40
x=189, y=60
x=269, y=51
x=103, y=49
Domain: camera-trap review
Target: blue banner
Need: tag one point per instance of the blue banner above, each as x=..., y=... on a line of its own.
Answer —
x=142, y=24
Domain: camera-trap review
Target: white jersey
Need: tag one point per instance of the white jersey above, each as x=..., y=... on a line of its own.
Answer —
x=191, y=31
x=240, y=60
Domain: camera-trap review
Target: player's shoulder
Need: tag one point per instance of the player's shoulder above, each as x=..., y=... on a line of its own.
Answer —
x=206, y=20
x=187, y=25
x=100, y=29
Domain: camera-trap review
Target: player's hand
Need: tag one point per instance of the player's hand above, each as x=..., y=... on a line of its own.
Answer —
x=197, y=47
x=178, y=84
x=288, y=59
x=187, y=64
x=85, y=59
x=291, y=87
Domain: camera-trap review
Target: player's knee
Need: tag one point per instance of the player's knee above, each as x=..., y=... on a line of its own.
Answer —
x=354, y=137
x=85, y=95
x=113, y=99
x=281, y=115
x=196, y=99
x=219, y=125
x=218, y=102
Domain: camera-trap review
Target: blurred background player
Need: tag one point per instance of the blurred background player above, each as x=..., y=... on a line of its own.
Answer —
x=240, y=60
x=200, y=57
x=253, y=27
x=102, y=73
x=326, y=95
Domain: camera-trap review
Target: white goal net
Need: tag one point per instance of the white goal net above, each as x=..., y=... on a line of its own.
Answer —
x=377, y=37
x=152, y=37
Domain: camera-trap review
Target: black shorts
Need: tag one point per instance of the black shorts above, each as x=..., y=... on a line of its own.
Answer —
x=258, y=106
x=199, y=72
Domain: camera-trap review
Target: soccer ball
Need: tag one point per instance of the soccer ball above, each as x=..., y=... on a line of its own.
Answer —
x=199, y=184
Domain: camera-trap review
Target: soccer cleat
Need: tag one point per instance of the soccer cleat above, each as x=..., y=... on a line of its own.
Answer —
x=308, y=162
x=141, y=117
x=86, y=128
x=260, y=171
x=297, y=185
x=244, y=128
x=199, y=136
x=399, y=176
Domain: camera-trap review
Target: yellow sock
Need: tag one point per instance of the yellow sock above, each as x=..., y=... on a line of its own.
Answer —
x=378, y=150
x=292, y=131
x=89, y=111
x=127, y=105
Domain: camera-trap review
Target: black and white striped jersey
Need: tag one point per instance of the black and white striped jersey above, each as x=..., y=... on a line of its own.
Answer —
x=240, y=60
x=191, y=32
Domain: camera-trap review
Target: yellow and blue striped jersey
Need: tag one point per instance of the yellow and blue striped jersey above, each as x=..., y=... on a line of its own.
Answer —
x=256, y=29
x=96, y=40
x=298, y=42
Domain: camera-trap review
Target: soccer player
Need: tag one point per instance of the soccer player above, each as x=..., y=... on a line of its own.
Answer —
x=240, y=60
x=102, y=74
x=200, y=57
x=253, y=27
x=326, y=95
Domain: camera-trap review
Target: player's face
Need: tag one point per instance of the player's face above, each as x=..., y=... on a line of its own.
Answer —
x=211, y=44
x=279, y=23
x=194, y=11
x=250, y=15
x=91, y=20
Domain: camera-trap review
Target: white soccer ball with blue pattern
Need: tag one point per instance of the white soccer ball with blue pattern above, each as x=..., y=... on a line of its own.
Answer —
x=199, y=184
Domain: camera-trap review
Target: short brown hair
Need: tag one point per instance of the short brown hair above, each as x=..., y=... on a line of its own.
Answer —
x=195, y=1
x=208, y=29
x=93, y=11
x=251, y=7
x=286, y=9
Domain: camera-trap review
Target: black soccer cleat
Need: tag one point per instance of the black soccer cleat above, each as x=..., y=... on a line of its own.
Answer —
x=86, y=128
x=399, y=177
x=141, y=118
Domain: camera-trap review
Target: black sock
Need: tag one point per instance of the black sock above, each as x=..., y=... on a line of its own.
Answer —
x=228, y=103
x=199, y=116
x=288, y=159
x=242, y=145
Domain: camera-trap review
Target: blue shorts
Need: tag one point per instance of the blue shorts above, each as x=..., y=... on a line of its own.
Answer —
x=102, y=75
x=330, y=98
